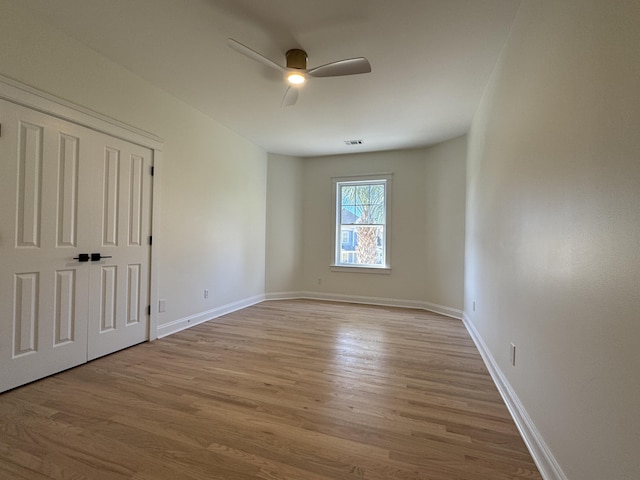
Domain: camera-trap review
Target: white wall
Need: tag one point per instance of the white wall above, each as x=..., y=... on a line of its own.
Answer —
x=553, y=228
x=445, y=190
x=213, y=182
x=284, y=224
x=427, y=235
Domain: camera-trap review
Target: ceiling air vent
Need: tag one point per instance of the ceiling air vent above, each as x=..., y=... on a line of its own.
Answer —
x=353, y=142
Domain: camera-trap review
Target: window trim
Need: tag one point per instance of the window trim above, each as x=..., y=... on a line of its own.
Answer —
x=335, y=231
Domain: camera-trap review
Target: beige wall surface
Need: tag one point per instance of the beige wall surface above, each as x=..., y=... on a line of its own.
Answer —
x=284, y=224
x=445, y=190
x=553, y=228
x=427, y=217
x=212, y=182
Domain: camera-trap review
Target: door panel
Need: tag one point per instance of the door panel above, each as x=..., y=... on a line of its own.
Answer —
x=43, y=290
x=120, y=284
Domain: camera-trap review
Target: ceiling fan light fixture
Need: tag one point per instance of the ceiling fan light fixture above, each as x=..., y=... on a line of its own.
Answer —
x=295, y=79
x=296, y=71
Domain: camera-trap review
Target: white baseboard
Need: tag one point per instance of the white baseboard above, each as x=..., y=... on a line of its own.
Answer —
x=542, y=456
x=387, y=302
x=188, y=322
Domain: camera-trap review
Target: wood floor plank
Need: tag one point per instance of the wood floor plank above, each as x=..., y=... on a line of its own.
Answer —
x=285, y=390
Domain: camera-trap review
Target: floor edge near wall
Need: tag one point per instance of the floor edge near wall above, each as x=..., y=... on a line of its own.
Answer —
x=544, y=459
x=195, y=319
x=387, y=302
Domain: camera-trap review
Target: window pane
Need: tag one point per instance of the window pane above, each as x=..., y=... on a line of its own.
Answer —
x=347, y=216
x=377, y=214
x=362, y=194
x=348, y=195
x=377, y=193
x=347, y=245
x=362, y=245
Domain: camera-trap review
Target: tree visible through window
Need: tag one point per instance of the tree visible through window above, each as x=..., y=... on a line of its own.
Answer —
x=361, y=223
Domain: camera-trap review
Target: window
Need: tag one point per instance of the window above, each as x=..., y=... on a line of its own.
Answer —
x=361, y=222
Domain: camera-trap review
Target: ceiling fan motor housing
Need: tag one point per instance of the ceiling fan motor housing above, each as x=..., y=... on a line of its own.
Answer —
x=297, y=59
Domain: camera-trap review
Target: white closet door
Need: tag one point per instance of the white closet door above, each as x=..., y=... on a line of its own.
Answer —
x=66, y=190
x=43, y=290
x=119, y=284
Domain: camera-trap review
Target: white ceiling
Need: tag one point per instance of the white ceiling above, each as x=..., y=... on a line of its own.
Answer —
x=430, y=58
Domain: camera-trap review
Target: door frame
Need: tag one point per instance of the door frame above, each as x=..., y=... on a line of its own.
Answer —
x=21, y=94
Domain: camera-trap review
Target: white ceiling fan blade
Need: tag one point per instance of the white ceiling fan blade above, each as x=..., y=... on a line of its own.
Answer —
x=290, y=97
x=351, y=66
x=252, y=54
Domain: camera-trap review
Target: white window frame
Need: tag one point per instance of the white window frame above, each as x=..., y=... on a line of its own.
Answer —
x=336, y=265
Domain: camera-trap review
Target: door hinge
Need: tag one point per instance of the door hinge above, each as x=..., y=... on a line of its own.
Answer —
x=148, y=309
x=150, y=239
x=152, y=170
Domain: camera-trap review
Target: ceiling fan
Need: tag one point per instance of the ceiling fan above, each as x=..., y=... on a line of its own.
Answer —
x=296, y=71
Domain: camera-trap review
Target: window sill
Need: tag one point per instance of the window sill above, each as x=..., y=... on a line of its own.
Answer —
x=349, y=269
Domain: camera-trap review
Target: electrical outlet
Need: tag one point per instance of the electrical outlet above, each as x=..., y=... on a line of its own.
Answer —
x=319, y=281
x=162, y=305
x=512, y=351
x=206, y=293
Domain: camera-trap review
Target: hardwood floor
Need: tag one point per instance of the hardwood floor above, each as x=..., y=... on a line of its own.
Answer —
x=281, y=390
